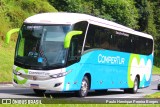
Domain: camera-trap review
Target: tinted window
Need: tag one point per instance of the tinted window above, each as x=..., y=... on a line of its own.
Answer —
x=104, y=38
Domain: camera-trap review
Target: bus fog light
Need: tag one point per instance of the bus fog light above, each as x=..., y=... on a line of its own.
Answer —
x=58, y=84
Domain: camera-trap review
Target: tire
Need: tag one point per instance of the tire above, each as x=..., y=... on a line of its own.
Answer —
x=39, y=92
x=84, y=87
x=158, y=87
x=127, y=91
x=135, y=87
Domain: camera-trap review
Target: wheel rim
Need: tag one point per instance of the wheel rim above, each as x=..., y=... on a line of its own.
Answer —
x=84, y=87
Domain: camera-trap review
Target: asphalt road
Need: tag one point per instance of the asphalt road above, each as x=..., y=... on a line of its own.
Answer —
x=8, y=91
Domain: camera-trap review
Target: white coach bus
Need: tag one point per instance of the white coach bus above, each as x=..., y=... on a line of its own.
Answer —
x=79, y=52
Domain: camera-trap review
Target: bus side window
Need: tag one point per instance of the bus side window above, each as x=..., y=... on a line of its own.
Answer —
x=77, y=41
x=74, y=51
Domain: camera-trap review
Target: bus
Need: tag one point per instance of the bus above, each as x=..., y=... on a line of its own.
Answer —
x=79, y=52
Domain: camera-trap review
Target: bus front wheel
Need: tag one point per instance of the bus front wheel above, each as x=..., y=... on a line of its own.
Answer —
x=84, y=87
x=39, y=92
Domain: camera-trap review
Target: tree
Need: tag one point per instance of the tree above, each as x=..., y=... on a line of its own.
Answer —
x=156, y=13
x=146, y=20
x=114, y=10
x=122, y=11
x=79, y=6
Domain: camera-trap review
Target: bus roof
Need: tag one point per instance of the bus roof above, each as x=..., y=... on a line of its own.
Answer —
x=71, y=18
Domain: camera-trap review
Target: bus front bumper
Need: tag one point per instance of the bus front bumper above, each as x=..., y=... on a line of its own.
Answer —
x=56, y=84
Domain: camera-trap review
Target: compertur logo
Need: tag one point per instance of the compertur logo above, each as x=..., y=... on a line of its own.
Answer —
x=110, y=59
x=17, y=75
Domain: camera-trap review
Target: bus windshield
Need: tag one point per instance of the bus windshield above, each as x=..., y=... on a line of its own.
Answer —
x=41, y=46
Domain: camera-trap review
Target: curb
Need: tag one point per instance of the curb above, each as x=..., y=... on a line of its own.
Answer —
x=1, y=83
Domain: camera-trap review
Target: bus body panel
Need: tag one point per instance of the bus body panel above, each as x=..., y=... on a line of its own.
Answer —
x=111, y=69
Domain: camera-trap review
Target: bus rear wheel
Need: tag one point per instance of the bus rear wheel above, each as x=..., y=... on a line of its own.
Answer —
x=84, y=87
x=39, y=92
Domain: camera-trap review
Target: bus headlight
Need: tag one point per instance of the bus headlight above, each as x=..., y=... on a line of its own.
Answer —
x=16, y=72
x=60, y=74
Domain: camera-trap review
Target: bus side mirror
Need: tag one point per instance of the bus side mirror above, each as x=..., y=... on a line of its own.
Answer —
x=69, y=36
x=9, y=33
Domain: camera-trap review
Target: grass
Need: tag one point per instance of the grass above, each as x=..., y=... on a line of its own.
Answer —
x=86, y=105
x=156, y=70
x=6, y=61
x=155, y=95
